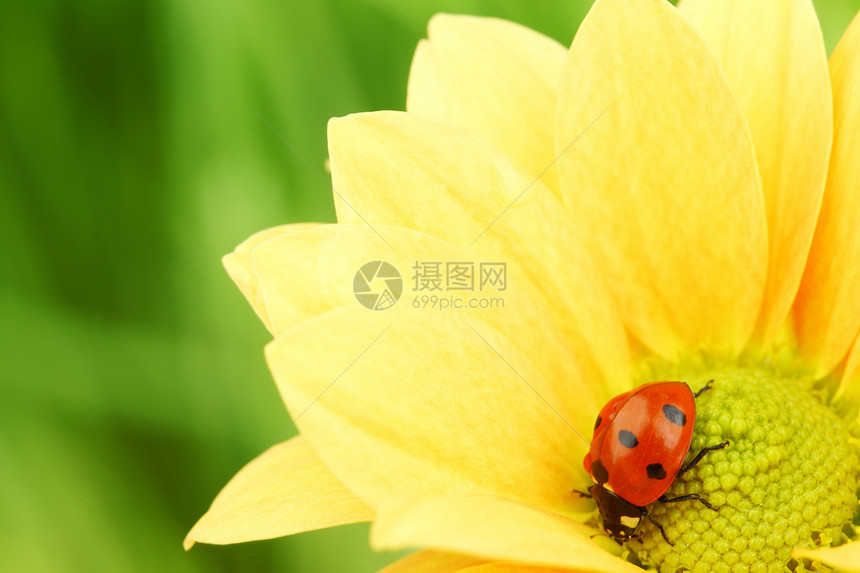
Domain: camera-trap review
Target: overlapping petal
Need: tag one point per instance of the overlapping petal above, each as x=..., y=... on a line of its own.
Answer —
x=502, y=420
x=285, y=490
x=431, y=561
x=495, y=78
x=844, y=558
x=662, y=179
x=827, y=311
x=387, y=404
x=400, y=169
x=849, y=387
x=303, y=275
x=238, y=265
x=510, y=568
x=773, y=54
x=495, y=529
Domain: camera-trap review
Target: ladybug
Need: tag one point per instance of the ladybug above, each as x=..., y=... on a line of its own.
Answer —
x=640, y=441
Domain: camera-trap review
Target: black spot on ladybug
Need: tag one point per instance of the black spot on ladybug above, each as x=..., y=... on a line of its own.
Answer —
x=674, y=415
x=627, y=439
x=655, y=471
x=599, y=472
x=597, y=422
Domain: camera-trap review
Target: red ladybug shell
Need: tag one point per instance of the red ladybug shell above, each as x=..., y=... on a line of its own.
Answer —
x=640, y=440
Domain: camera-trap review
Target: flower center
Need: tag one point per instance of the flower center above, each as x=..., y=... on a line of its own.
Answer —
x=788, y=479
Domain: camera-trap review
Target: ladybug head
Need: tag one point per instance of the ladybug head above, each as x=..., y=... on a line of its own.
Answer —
x=620, y=517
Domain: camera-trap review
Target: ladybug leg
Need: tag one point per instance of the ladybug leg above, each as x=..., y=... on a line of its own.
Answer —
x=699, y=457
x=687, y=497
x=657, y=525
x=706, y=387
x=581, y=493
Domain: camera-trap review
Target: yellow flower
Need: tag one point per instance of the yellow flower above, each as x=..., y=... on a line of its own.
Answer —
x=679, y=193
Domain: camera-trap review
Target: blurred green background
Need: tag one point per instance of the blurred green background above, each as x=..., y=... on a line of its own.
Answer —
x=132, y=157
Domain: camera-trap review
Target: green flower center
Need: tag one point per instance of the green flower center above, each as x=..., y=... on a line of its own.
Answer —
x=788, y=479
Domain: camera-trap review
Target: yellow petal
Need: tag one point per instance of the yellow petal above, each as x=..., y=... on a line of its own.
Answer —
x=238, y=265
x=408, y=402
x=495, y=78
x=303, y=275
x=283, y=491
x=773, y=54
x=430, y=561
x=827, y=310
x=509, y=568
x=663, y=184
x=849, y=387
x=400, y=169
x=494, y=529
x=844, y=558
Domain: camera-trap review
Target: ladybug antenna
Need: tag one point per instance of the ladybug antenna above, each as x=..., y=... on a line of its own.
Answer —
x=705, y=387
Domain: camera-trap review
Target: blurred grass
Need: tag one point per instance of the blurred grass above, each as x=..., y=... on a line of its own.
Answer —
x=132, y=157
